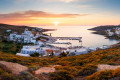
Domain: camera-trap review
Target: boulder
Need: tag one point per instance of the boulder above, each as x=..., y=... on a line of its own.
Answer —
x=46, y=70
x=15, y=68
x=102, y=67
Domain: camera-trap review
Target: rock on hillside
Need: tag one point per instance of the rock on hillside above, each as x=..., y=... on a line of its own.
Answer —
x=102, y=67
x=46, y=70
x=15, y=68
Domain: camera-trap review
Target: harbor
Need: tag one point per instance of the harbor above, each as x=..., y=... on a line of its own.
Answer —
x=46, y=44
x=69, y=38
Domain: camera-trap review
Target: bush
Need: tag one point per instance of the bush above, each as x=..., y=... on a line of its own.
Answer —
x=88, y=70
x=61, y=75
x=8, y=76
x=63, y=54
x=1, y=71
x=116, y=73
x=102, y=75
x=34, y=67
x=28, y=76
x=35, y=55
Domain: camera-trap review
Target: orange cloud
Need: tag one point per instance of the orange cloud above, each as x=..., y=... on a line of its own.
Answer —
x=36, y=14
x=37, y=17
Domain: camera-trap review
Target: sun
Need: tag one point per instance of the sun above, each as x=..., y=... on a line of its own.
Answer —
x=56, y=23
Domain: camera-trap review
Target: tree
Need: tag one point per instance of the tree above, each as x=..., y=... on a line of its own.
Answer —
x=63, y=54
x=52, y=54
x=35, y=55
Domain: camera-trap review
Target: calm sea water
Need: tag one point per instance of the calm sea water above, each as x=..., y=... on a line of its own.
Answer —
x=88, y=39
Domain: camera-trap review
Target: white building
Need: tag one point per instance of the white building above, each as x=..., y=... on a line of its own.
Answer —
x=77, y=51
x=27, y=50
x=109, y=32
x=26, y=37
x=44, y=51
x=117, y=31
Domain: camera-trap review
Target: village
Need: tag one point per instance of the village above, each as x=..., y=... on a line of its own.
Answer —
x=43, y=44
x=113, y=32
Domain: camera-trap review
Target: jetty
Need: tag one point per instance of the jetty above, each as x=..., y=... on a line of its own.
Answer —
x=69, y=38
x=62, y=43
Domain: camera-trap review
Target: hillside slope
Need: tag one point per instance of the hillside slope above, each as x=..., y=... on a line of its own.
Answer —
x=19, y=29
x=82, y=65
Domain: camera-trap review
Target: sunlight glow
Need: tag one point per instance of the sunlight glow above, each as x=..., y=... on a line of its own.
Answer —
x=56, y=23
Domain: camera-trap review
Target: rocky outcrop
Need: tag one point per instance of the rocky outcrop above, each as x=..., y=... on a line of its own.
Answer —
x=15, y=68
x=46, y=70
x=102, y=67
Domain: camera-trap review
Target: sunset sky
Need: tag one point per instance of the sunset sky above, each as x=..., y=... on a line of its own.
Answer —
x=60, y=12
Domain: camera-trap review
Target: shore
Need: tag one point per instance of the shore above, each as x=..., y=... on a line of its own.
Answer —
x=101, y=30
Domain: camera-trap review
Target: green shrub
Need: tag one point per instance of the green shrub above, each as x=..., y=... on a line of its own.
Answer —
x=61, y=75
x=63, y=54
x=28, y=76
x=34, y=67
x=1, y=71
x=102, y=75
x=35, y=55
x=88, y=70
x=8, y=76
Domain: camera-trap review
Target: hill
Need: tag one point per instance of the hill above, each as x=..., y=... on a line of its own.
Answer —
x=13, y=28
x=18, y=29
x=101, y=29
x=79, y=67
x=71, y=66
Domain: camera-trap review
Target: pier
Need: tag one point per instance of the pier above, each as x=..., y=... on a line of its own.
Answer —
x=68, y=43
x=69, y=38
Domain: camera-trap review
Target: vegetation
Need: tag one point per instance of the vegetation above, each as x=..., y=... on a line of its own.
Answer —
x=61, y=75
x=63, y=54
x=4, y=75
x=10, y=47
x=35, y=55
x=71, y=66
x=105, y=75
x=34, y=67
x=13, y=28
x=25, y=75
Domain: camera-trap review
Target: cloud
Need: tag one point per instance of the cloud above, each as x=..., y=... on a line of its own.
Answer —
x=67, y=1
x=31, y=14
x=84, y=6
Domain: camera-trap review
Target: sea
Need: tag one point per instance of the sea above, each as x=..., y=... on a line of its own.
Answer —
x=89, y=40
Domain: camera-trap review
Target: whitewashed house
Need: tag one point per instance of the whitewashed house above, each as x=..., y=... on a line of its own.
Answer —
x=109, y=32
x=78, y=51
x=117, y=31
x=26, y=37
x=27, y=50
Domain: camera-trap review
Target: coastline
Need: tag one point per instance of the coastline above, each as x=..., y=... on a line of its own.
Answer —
x=100, y=30
x=19, y=29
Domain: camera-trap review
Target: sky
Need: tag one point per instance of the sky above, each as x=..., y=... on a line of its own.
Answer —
x=60, y=12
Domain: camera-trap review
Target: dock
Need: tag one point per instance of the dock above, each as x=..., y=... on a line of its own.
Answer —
x=69, y=38
x=68, y=43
